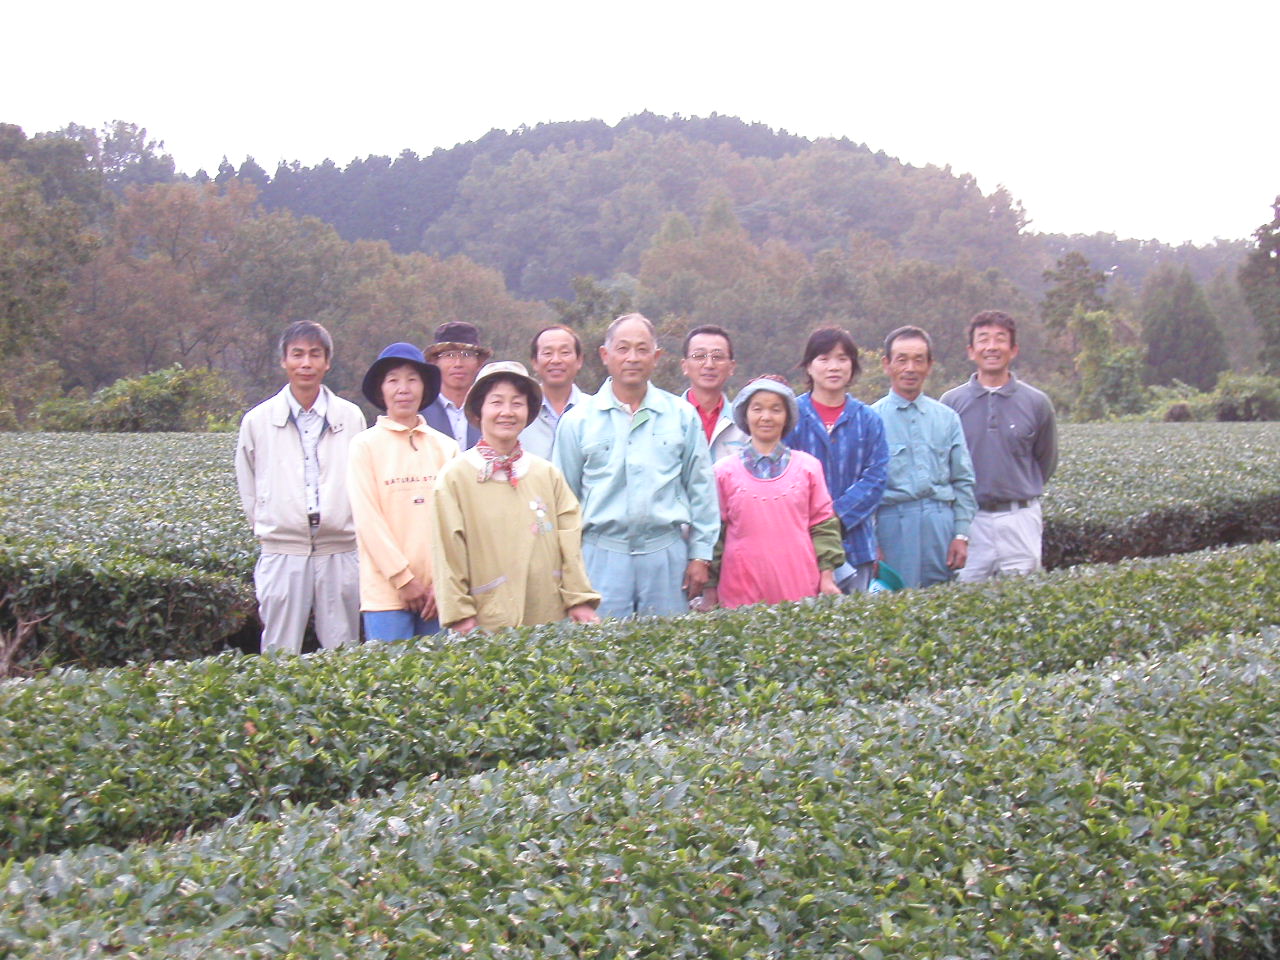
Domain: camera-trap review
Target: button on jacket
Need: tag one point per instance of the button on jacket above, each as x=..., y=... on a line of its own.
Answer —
x=640, y=478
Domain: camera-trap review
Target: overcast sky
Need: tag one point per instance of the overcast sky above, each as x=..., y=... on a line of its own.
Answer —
x=1148, y=120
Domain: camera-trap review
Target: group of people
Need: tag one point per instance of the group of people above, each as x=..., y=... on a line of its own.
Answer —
x=484, y=496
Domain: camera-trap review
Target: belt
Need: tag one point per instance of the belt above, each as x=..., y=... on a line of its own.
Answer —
x=998, y=506
x=313, y=519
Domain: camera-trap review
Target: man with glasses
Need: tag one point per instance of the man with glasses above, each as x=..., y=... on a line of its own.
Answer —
x=636, y=457
x=708, y=364
x=457, y=352
x=556, y=357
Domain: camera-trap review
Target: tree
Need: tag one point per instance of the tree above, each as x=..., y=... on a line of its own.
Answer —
x=1075, y=284
x=120, y=155
x=1260, y=280
x=41, y=245
x=1181, y=334
x=1110, y=375
x=1239, y=332
x=154, y=294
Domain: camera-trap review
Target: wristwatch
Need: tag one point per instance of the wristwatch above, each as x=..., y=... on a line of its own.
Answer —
x=962, y=537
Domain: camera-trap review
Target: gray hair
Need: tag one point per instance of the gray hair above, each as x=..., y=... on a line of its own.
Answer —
x=613, y=327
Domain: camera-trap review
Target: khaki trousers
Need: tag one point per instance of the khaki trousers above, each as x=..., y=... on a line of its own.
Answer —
x=1004, y=543
x=289, y=587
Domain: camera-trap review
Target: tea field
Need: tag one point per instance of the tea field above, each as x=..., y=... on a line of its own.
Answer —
x=1081, y=764
x=130, y=547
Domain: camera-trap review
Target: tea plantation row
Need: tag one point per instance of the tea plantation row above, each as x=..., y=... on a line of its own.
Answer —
x=1121, y=811
x=131, y=547
x=114, y=755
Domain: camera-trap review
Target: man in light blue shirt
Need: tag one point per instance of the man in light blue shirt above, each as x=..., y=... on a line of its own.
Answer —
x=556, y=357
x=923, y=521
x=637, y=459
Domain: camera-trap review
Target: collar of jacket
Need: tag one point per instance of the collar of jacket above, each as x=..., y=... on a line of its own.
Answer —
x=1005, y=390
x=281, y=412
x=605, y=399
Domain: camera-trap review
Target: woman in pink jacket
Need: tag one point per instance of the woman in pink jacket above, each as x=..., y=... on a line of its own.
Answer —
x=779, y=539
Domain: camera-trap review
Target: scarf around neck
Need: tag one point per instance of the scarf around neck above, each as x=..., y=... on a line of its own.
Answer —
x=495, y=461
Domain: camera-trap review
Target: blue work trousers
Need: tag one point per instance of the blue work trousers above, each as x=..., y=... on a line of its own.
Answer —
x=914, y=538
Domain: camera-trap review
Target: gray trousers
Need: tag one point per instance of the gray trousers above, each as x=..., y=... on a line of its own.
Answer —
x=289, y=587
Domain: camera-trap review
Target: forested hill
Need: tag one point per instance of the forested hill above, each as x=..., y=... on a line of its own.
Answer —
x=547, y=203
x=114, y=264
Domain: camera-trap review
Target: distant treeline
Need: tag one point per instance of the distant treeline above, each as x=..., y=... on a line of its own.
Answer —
x=114, y=264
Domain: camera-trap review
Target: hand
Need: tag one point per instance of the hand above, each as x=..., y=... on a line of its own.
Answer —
x=465, y=625
x=696, y=575
x=827, y=584
x=583, y=613
x=710, y=599
x=419, y=598
x=957, y=554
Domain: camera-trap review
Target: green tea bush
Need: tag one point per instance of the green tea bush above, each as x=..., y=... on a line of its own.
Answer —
x=111, y=756
x=1126, y=811
x=124, y=546
x=116, y=500
x=1149, y=489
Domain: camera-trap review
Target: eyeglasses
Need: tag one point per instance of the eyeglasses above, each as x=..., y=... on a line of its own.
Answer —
x=457, y=355
x=716, y=358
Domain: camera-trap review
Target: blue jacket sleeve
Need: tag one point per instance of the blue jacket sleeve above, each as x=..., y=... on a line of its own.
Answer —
x=966, y=504
x=567, y=454
x=859, y=500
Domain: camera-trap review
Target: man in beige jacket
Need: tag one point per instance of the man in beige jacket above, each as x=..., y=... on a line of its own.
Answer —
x=291, y=468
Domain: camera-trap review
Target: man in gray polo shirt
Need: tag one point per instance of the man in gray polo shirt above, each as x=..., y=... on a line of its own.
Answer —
x=1012, y=437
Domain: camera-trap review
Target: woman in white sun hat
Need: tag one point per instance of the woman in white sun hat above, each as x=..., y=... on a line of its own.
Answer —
x=779, y=538
x=507, y=539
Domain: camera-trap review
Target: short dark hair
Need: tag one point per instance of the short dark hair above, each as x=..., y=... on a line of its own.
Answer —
x=824, y=340
x=306, y=330
x=994, y=318
x=533, y=344
x=909, y=333
x=712, y=330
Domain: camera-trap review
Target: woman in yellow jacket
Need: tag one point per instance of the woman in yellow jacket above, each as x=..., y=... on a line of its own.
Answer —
x=392, y=472
x=508, y=532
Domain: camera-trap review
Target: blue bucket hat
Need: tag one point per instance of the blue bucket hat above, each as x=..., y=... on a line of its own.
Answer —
x=397, y=355
x=743, y=400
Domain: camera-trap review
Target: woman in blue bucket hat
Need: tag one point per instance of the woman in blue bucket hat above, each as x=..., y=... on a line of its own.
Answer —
x=392, y=470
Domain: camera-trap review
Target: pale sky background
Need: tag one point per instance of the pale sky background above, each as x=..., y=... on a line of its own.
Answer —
x=1148, y=120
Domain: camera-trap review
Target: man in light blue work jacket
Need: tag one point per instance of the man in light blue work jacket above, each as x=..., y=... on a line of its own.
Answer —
x=637, y=459
x=922, y=524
